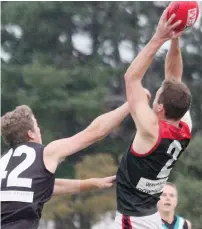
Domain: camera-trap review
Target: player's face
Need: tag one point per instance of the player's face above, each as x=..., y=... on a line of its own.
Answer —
x=158, y=108
x=168, y=199
x=37, y=132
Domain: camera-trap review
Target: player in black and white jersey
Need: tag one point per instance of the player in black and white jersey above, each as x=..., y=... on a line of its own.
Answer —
x=27, y=169
x=161, y=135
x=166, y=207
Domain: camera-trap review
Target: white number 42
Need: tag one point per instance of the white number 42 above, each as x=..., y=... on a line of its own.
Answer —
x=13, y=179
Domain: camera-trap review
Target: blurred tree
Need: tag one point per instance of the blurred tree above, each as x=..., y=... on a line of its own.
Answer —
x=53, y=42
x=51, y=71
x=190, y=162
x=83, y=210
x=190, y=199
x=187, y=177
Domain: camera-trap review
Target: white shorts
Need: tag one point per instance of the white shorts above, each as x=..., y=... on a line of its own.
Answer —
x=143, y=222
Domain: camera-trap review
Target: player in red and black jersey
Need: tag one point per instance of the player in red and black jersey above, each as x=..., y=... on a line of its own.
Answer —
x=162, y=134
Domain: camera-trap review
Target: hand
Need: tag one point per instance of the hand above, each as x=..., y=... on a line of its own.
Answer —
x=165, y=29
x=106, y=182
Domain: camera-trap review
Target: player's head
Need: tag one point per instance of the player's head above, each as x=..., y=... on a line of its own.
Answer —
x=168, y=199
x=172, y=100
x=20, y=126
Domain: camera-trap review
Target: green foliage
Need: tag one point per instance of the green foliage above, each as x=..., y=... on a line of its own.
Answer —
x=90, y=205
x=187, y=177
x=192, y=161
x=190, y=199
x=67, y=87
x=55, y=94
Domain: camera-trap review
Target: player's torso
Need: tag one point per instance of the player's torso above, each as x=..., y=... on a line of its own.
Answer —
x=140, y=179
x=178, y=223
x=25, y=184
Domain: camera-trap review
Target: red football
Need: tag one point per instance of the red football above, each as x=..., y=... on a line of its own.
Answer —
x=186, y=11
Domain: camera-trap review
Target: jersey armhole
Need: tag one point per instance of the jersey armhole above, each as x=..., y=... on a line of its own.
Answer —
x=43, y=164
x=152, y=149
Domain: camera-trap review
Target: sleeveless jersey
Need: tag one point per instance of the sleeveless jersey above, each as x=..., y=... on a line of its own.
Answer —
x=178, y=223
x=25, y=186
x=141, y=178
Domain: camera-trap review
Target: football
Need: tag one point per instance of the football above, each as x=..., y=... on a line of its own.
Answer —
x=187, y=11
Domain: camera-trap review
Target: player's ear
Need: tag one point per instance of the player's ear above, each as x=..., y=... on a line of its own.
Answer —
x=176, y=202
x=160, y=108
x=31, y=134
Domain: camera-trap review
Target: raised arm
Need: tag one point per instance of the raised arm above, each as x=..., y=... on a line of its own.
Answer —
x=97, y=130
x=173, y=63
x=138, y=102
x=67, y=186
x=174, y=70
x=145, y=119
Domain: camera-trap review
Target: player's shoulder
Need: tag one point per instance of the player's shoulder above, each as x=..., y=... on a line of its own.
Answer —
x=34, y=145
x=172, y=132
x=185, y=129
x=31, y=147
x=186, y=223
x=30, y=144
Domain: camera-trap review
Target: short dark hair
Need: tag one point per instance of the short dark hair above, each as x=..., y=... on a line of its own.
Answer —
x=16, y=124
x=176, y=99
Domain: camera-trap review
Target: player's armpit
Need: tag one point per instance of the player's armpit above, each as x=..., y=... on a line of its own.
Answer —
x=145, y=119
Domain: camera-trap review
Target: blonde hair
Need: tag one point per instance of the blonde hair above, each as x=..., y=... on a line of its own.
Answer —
x=16, y=124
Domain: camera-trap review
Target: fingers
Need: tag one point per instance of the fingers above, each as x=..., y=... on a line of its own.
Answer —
x=106, y=182
x=177, y=34
x=171, y=24
x=110, y=179
x=108, y=185
x=166, y=28
x=170, y=20
x=164, y=15
x=176, y=24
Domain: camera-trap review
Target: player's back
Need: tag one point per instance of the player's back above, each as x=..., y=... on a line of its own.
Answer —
x=178, y=223
x=141, y=177
x=25, y=186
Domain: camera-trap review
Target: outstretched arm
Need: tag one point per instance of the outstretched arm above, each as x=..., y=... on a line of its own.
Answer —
x=174, y=70
x=97, y=130
x=145, y=119
x=67, y=186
